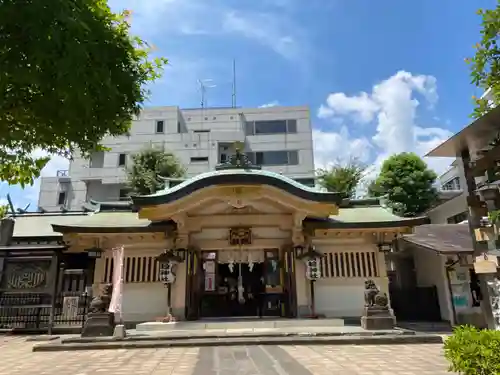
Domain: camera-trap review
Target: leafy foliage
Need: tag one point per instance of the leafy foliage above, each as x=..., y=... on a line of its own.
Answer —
x=147, y=166
x=407, y=184
x=70, y=74
x=342, y=178
x=4, y=210
x=485, y=65
x=494, y=216
x=374, y=189
x=473, y=352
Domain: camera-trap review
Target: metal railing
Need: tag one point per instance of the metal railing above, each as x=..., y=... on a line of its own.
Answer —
x=62, y=173
x=31, y=311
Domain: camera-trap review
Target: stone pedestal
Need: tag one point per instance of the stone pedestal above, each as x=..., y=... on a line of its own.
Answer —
x=377, y=317
x=99, y=324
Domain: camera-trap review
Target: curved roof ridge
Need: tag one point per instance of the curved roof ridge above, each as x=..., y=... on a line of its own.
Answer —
x=235, y=176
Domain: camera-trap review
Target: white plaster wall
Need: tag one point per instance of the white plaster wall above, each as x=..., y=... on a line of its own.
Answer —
x=344, y=296
x=336, y=298
x=144, y=302
x=430, y=271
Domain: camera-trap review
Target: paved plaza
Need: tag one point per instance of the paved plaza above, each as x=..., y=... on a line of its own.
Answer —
x=16, y=358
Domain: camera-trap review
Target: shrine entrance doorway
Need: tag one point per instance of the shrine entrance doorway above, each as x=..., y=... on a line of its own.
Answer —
x=237, y=292
x=246, y=286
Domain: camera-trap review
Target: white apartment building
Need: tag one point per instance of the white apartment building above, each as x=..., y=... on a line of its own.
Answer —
x=277, y=138
x=452, y=189
x=452, y=208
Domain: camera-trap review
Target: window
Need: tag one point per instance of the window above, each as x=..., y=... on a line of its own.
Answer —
x=96, y=160
x=458, y=218
x=270, y=127
x=124, y=194
x=292, y=126
x=160, y=126
x=122, y=160
x=179, y=127
x=61, y=198
x=453, y=184
x=199, y=159
x=274, y=157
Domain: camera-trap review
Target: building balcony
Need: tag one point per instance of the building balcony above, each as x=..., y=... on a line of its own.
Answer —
x=110, y=175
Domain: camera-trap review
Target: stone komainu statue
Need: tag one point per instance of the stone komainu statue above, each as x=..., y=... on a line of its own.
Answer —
x=100, y=304
x=373, y=297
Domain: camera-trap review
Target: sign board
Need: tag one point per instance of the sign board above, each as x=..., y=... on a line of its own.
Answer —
x=209, y=283
x=485, y=264
x=70, y=307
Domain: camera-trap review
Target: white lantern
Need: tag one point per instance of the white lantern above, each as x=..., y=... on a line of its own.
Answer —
x=313, y=271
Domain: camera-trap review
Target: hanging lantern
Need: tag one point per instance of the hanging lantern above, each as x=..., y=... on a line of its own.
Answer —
x=167, y=261
x=313, y=271
x=312, y=259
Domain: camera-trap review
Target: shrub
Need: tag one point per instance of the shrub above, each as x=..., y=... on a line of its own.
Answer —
x=471, y=351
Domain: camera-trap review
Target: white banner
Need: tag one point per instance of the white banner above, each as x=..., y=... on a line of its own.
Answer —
x=116, y=298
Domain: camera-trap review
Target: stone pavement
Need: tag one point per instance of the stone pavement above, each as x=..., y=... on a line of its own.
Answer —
x=16, y=358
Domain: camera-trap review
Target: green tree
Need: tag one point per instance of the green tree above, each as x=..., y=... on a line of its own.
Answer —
x=70, y=74
x=485, y=65
x=374, y=190
x=147, y=168
x=407, y=184
x=342, y=178
x=4, y=210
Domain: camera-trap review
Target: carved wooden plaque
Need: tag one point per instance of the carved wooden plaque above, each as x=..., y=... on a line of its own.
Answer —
x=26, y=275
x=240, y=236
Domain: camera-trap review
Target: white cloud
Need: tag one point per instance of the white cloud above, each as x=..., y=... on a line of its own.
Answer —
x=332, y=147
x=269, y=27
x=274, y=103
x=361, y=106
x=391, y=107
x=265, y=28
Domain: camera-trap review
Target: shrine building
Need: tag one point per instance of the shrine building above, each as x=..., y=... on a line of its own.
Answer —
x=227, y=230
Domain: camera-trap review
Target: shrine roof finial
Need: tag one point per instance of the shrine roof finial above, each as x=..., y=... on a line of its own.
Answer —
x=237, y=161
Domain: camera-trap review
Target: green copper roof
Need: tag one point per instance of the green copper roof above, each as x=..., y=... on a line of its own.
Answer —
x=366, y=213
x=249, y=172
x=115, y=217
x=237, y=176
x=109, y=222
x=40, y=224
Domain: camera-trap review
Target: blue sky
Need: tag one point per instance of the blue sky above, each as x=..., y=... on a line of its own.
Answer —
x=379, y=76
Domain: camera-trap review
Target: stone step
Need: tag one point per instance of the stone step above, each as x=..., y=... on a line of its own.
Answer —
x=244, y=324
x=238, y=333
x=230, y=341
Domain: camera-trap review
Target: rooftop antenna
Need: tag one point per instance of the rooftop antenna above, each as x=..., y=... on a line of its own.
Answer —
x=204, y=85
x=233, y=96
x=11, y=205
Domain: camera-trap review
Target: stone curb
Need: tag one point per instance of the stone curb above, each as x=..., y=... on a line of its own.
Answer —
x=297, y=340
x=228, y=335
